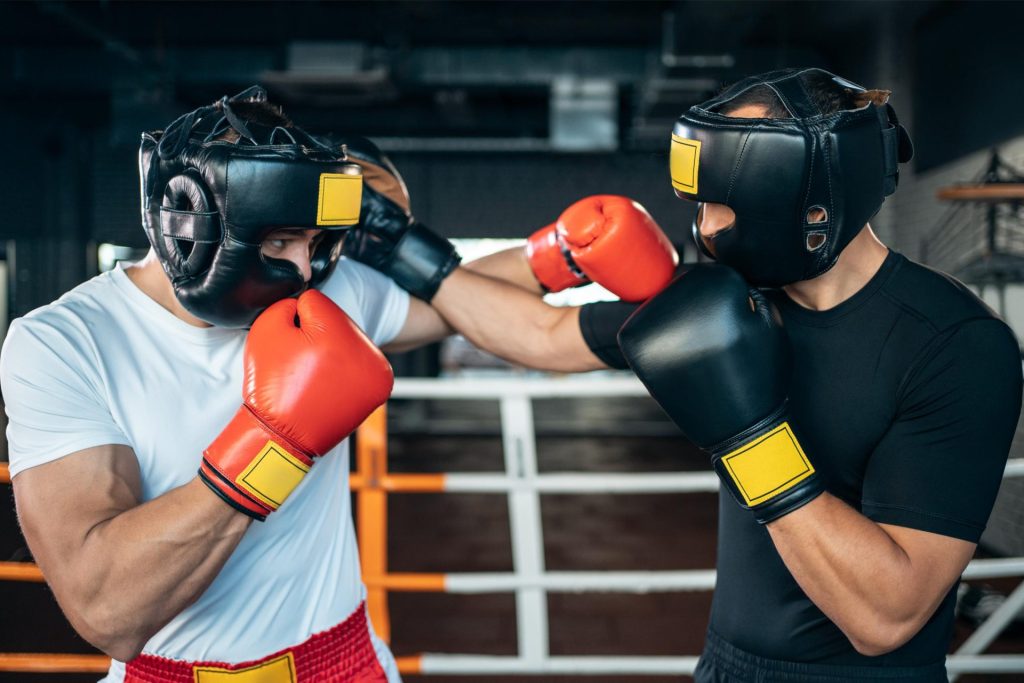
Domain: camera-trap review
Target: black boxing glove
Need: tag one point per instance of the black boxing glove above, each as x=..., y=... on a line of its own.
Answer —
x=388, y=238
x=712, y=351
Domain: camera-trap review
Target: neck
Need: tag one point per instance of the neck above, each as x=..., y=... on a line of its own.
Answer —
x=149, y=276
x=857, y=264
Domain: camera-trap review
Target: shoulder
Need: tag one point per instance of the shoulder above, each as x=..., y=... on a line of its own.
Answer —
x=64, y=329
x=936, y=299
x=355, y=276
x=963, y=344
x=89, y=301
x=370, y=298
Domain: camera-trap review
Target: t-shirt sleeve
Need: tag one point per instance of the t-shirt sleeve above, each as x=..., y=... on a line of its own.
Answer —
x=53, y=398
x=373, y=300
x=600, y=323
x=939, y=466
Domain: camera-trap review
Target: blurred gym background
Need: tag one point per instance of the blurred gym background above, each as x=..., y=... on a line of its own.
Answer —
x=500, y=114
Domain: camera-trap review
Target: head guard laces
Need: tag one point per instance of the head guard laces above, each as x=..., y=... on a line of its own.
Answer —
x=210, y=199
x=801, y=187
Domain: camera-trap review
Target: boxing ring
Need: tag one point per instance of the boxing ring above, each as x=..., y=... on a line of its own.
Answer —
x=523, y=485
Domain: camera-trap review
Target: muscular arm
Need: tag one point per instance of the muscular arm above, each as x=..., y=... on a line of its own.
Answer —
x=120, y=569
x=514, y=324
x=878, y=583
x=508, y=321
x=495, y=302
x=425, y=324
x=509, y=265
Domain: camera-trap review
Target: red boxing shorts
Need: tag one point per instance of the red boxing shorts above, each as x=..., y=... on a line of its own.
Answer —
x=341, y=654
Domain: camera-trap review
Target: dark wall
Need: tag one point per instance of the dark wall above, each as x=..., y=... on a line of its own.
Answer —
x=510, y=195
x=968, y=80
x=46, y=202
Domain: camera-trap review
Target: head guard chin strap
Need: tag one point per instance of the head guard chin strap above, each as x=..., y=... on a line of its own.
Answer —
x=208, y=204
x=777, y=173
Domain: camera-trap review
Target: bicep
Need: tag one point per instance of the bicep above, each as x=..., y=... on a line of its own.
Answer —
x=936, y=562
x=60, y=502
x=940, y=464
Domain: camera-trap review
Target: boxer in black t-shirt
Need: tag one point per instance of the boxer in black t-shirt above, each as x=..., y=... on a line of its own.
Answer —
x=857, y=406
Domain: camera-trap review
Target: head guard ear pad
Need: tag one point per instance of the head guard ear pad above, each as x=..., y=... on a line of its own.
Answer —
x=188, y=244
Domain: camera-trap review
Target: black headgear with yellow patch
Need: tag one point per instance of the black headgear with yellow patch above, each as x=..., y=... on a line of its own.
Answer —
x=773, y=172
x=208, y=203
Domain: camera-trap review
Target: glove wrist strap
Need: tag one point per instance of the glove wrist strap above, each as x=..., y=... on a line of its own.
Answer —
x=766, y=469
x=251, y=467
x=551, y=261
x=422, y=259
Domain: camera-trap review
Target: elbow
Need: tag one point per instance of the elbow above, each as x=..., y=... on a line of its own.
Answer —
x=883, y=636
x=109, y=631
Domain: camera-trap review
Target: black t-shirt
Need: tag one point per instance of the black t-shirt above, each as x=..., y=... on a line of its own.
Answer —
x=906, y=398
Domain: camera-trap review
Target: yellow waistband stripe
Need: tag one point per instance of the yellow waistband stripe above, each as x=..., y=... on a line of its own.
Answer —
x=278, y=670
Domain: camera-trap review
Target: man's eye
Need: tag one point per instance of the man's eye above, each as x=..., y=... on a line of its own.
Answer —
x=274, y=244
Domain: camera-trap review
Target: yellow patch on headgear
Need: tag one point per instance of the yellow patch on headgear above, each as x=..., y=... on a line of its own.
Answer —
x=340, y=197
x=684, y=163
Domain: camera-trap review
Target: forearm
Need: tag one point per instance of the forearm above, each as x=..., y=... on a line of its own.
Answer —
x=855, y=572
x=514, y=324
x=136, y=571
x=508, y=265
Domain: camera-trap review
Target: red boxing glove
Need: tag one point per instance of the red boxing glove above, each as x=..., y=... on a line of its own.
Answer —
x=551, y=262
x=311, y=377
x=607, y=239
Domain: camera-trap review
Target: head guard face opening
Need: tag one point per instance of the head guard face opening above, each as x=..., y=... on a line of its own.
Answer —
x=208, y=204
x=772, y=172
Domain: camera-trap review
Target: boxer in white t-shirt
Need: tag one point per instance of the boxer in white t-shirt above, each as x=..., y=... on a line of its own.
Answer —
x=122, y=388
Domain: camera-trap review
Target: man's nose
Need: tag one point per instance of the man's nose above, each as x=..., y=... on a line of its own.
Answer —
x=714, y=218
x=299, y=255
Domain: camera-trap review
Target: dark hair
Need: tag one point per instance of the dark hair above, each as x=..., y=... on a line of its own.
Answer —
x=259, y=112
x=827, y=95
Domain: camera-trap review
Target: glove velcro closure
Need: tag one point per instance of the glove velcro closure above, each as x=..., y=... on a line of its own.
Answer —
x=768, y=472
x=251, y=467
x=551, y=262
x=421, y=260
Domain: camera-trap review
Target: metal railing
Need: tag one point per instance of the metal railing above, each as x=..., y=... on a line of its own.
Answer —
x=523, y=485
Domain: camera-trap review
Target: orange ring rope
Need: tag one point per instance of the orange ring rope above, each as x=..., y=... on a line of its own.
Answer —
x=412, y=664
x=5, y=473
x=20, y=571
x=41, y=662
x=400, y=483
x=984, y=192
x=413, y=583
x=31, y=662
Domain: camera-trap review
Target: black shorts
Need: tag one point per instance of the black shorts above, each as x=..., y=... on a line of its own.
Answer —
x=724, y=663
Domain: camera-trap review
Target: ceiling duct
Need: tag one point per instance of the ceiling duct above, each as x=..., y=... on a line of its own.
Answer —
x=584, y=115
x=331, y=74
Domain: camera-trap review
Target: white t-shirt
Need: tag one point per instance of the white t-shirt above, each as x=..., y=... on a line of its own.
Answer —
x=105, y=364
